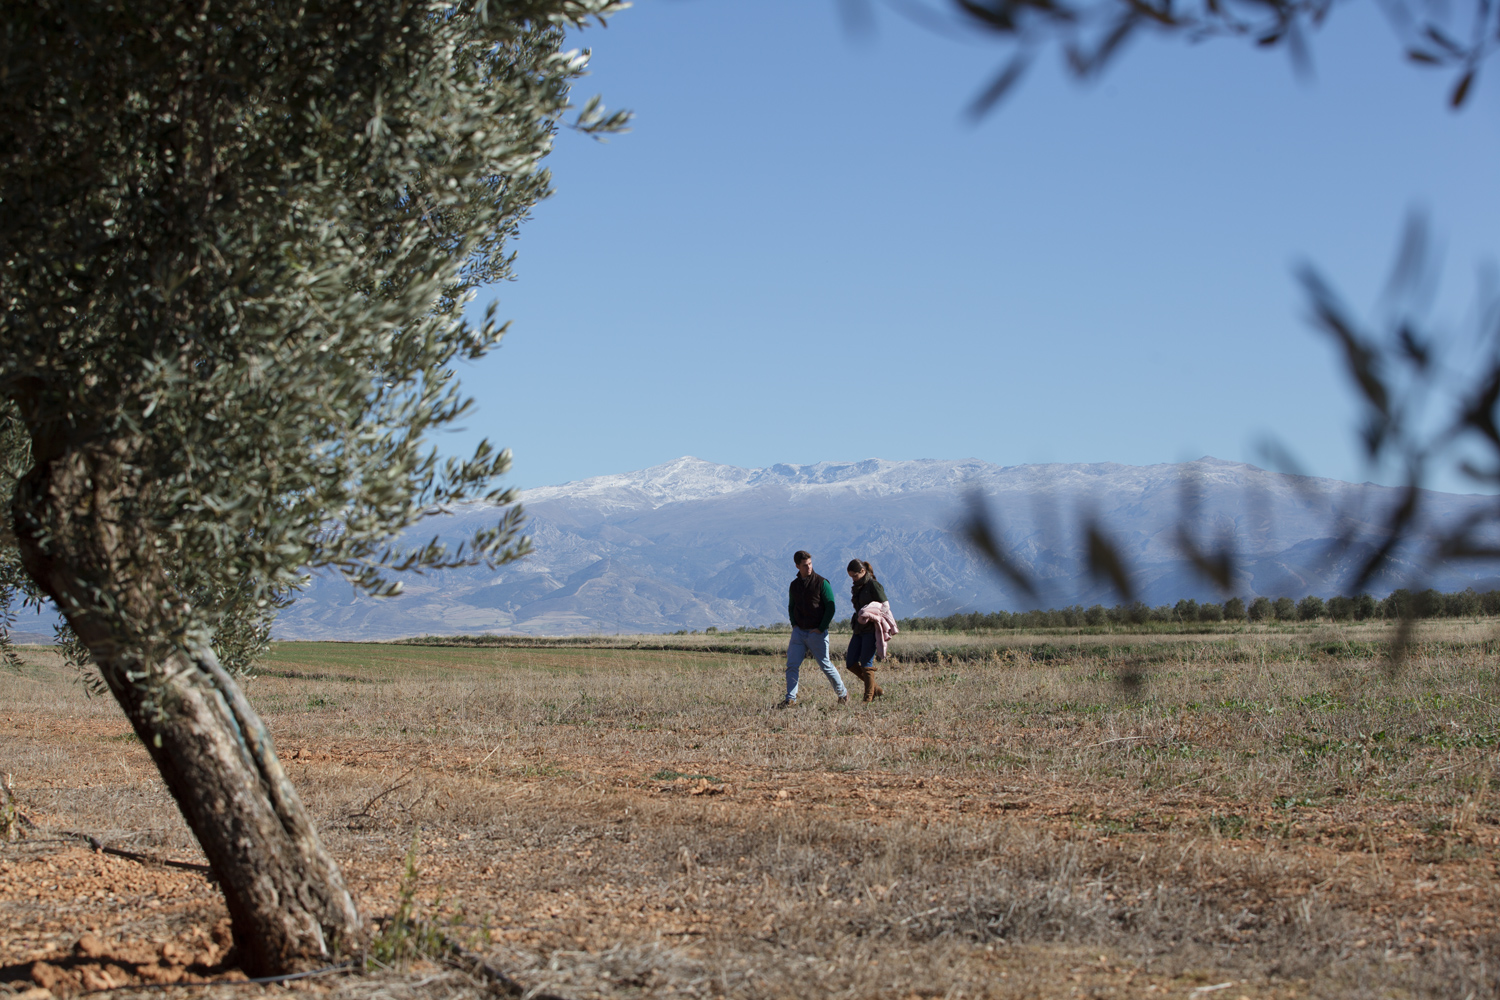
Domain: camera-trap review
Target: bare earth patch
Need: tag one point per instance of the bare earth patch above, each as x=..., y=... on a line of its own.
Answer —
x=1252, y=815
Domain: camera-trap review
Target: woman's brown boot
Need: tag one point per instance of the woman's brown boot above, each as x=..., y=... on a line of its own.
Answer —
x=872, y=690
x=863, y=675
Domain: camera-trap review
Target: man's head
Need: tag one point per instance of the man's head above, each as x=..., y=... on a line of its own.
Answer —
x=803, y=561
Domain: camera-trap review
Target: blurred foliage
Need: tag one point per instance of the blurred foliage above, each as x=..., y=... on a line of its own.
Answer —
x=1089, y=35
x=1428, y=400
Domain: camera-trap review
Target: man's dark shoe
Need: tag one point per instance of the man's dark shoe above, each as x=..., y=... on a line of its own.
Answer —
x=843, y=699
x=788, y=703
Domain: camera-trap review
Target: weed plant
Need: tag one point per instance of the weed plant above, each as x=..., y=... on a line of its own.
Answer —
x=405, y=935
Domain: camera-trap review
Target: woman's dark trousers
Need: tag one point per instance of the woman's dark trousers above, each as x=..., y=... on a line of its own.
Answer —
x=860, y=659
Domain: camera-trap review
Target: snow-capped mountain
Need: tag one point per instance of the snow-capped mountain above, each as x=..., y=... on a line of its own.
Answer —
x=691, y=544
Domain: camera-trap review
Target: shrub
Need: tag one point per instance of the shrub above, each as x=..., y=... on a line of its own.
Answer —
x=1429, y=604
x=1399, y=604
x=1464, y=604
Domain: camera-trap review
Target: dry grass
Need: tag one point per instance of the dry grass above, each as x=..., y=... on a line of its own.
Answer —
x=1079, y=815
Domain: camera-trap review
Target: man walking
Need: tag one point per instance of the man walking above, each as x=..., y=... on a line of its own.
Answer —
x=810, y=607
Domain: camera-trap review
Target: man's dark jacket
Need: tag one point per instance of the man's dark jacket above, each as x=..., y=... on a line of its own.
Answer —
x=810, y=602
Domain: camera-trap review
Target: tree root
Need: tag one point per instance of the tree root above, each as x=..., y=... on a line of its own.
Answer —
x=144, y=859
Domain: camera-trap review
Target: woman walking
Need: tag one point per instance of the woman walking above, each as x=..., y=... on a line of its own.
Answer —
x=873, y=625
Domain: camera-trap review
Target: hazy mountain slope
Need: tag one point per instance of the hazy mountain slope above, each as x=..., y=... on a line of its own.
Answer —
x=691, y=544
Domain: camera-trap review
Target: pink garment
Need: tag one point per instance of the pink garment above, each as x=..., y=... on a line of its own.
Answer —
x=879, y=614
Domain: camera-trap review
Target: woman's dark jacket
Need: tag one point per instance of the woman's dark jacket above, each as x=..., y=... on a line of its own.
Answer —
x=867, y=591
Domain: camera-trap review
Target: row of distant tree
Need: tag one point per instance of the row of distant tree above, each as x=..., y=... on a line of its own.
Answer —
x=1399, y=604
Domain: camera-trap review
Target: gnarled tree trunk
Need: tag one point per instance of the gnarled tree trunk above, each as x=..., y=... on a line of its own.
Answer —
x=286, y=897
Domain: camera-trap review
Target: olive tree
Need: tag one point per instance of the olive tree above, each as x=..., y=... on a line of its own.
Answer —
x=1311, y=608
x=237, y=242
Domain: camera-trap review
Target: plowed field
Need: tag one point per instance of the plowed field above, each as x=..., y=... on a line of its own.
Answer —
x=1239, y=815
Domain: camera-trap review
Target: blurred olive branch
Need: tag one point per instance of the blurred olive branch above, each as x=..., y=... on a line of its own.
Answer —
x=1396, y=366
x=1089, y=35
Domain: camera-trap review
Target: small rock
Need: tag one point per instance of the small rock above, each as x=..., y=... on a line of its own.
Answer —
x=51, y=978
x=95, y=978
x=89, y=946
x=45, y=975
x=132, y=954
x=154, y=973
x=35, y=993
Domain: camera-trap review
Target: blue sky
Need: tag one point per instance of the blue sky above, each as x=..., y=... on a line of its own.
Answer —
x=804, y=251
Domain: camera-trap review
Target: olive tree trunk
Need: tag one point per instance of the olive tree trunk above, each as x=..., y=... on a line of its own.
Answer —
x=287, y=899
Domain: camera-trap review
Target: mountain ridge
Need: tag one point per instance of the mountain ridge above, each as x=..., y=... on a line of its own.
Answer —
x=691, y=543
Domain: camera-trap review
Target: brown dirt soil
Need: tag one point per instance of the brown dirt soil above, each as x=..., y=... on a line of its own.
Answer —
x=644, y=824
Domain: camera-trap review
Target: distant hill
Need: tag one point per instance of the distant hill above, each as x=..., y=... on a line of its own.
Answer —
x=691, y=544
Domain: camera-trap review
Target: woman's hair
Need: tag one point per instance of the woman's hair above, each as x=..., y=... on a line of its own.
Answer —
x=856, y=566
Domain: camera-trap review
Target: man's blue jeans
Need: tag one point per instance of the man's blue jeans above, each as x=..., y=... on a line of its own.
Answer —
x=810, y=642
